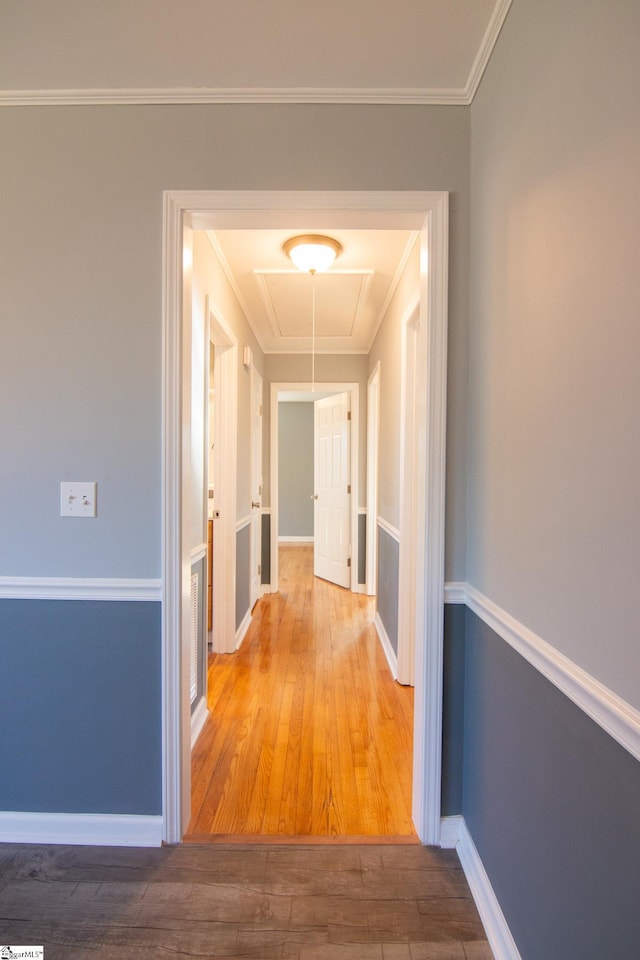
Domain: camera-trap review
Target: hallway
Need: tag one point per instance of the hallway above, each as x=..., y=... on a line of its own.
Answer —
x=308, y=735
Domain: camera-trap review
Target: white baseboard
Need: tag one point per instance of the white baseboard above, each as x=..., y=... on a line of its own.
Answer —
x=93, y=829
x=496, y=928
x=389, y=652
x=198, y=719
x=242, y=629
x=296, y=540
x=450, y=828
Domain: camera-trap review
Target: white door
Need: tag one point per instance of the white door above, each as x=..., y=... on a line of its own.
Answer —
x=332, y=494
x=256, y=483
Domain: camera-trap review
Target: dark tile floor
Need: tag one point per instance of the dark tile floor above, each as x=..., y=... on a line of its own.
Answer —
x=303, y=903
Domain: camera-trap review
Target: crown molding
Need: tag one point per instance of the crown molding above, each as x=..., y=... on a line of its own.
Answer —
x=230, y=95
x=483, y=56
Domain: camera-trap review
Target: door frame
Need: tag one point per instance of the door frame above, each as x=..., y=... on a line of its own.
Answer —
x=225, y=458
x=373, y=468
x=412, y=479
x=427, y=212
x=353, y=389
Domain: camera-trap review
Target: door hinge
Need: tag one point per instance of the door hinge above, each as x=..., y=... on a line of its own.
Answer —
x=259, y=569
x=260, y=410
x=349, y=562
x=348, y=488
x=260, y=490
x=348, y=414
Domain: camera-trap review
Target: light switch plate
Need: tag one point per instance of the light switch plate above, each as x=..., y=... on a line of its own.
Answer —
x=78, y=498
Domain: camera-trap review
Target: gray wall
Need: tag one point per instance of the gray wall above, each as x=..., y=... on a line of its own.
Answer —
x=554, y=458
x=81, y=254
x=295, y=469
x=81, y=707
x=551, y=802
x=243, y=573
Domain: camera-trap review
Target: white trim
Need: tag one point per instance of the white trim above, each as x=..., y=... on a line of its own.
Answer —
x=617, y=717
x=450, y=828
x=493, y=920
x=455, y=591
x=199, y=552
x=198, y=719
x=373, y=478
x=389, y=652
x=406, y=210
x=489, y=40
x=412, y=478
x=388, y=528
x=432, y=370
x=241, y=632
x=225, y=469
x=296, y=539
x=94, y=829
x=362, y=511
x=172, y=95
x=241, y=524
x=79, y=588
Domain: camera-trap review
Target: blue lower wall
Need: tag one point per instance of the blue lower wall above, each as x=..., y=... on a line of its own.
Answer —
x=243, y=573
x=80, y=728
x=388, y=571
x=550, y=800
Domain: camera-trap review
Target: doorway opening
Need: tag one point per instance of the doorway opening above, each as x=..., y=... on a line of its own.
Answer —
x=349, y=548
x=427, y=213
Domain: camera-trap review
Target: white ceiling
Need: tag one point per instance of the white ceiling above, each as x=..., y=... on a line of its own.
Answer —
x=410, y=51
x=351, y=297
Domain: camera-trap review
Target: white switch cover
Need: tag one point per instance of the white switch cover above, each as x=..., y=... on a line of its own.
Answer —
x=78, y=499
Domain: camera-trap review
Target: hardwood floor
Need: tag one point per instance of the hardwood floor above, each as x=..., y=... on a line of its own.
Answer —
x=239, y=902
x=308, y=735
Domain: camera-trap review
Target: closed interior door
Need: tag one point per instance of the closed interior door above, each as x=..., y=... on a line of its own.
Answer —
x=332, y=494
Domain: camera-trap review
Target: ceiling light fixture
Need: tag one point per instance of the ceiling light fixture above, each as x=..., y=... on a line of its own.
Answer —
x=312, y=252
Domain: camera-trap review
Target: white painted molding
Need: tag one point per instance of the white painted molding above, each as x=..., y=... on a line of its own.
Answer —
x=450, y=828
x=198, y=719
x=296, y=540
x=173, y=95
x=79, y=588
x=199, y=552
x=455, y=592
x=388, y=528
x=486, y=48
x=241, y=632
x=362, y=511
x=241, y=524
x=389, y=652
x=617, y=717
x=496, y=928
x=94, y=829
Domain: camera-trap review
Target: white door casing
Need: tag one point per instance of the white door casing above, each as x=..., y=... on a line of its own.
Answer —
x=373, y=457
x=225, y=464
x=411, y=479
x=423, y=211
x=255, y=427
x=332, y=490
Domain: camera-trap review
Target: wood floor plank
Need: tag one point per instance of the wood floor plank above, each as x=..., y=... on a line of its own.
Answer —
x=308, y=733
